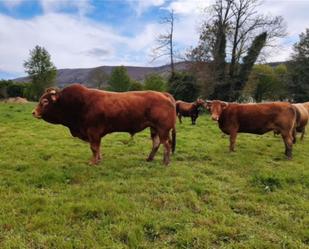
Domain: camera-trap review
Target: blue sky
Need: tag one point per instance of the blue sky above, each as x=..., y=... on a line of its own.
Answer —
x=89, y=33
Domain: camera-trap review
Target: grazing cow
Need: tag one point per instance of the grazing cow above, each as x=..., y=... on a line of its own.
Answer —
x=90, y=114
x=188, y=109
x=255, y=118
x=303, y=118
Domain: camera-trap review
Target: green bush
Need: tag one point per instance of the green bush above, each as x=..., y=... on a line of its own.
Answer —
x=11, y=89
x=155, y=82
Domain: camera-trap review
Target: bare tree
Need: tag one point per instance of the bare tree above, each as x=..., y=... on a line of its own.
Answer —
x=229, y=35
x=246, y=24
x=98, y=78
x=165, y=42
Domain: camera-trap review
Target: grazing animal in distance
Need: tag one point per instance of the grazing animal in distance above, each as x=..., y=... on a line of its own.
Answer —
x=90, y=114
x=185, y=109
x=258, y=119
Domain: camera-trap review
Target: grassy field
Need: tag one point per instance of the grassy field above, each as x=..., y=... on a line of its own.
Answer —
x=207, y=198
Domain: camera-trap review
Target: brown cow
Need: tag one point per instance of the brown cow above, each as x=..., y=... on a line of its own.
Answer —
x=90, y=114
x=255, y=118
x=306, y=105
x=303, y=118
x=188, y=109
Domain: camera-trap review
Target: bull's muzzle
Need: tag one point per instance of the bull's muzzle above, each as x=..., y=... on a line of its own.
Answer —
x=215, y=118
x=35, y=114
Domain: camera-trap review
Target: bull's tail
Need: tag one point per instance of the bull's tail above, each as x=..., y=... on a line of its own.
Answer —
x=173, y=140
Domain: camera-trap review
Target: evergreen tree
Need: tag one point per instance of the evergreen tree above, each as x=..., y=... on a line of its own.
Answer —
x=183, y=86
x=119, y=80
x=248, y=62
x=299, y=69
x=155, y=82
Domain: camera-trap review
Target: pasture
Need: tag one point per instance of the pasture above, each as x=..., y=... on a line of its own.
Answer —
x=207, y=197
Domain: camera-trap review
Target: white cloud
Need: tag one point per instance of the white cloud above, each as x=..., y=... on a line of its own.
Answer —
x=141, y=6
x=189, y=7
x=72, y=42
x=82, y=6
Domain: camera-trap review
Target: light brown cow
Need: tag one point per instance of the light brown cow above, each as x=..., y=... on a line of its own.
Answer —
x=188, y=109
x=255, y=118
x=90, y=114
x=303, y=119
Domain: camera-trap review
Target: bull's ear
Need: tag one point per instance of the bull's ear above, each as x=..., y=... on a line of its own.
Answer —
x=224, y=105
x=51, y=90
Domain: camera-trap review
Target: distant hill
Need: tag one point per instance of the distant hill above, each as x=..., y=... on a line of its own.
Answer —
x=83, y=75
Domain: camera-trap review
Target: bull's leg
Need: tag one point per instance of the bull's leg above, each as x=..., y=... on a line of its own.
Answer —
x=167, y=152
x=165, y=140
x=155, y=144
x=294, y=134
x=303, y=133
x=95, y=142
x=193, y=119
x=233, y=136
x=288, y=142
x=179, y=117
x=95, y=148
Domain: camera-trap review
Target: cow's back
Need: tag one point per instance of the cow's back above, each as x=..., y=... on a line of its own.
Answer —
x=257, y=118
x=131, y=111
x=184, y=108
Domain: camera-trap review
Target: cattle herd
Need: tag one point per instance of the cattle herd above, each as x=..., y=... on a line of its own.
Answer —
x=90, y=114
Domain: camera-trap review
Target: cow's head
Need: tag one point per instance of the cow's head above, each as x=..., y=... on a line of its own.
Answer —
x=46, y=103
x=199, y=102
x=215, y=107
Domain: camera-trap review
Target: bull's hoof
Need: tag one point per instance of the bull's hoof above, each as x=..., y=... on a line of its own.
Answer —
x=94, y=162
x=149, y=159
x=166, y=162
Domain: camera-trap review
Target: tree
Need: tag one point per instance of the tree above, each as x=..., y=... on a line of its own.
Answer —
x=248, y=62
x=299, y=69
x=183, y=86
x=41, y=70
x=165, y=41
x=266, y=83
x=98, y=78
x=136, y=86
x=119, y=80
x=155, y=82
x=229, y=42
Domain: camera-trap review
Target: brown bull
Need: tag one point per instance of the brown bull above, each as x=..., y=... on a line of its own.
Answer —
x=91, y=114
x=255, y=118
x=188, y=109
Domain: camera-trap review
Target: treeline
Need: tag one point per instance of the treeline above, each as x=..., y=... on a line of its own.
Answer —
x=9, y=88
x=183, y=85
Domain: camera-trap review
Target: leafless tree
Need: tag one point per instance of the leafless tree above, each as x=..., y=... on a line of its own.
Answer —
x=165, y=43
x=229, y=34
x=246, y=24
x=98, y=78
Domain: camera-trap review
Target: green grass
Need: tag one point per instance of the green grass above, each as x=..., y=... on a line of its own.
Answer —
x=208, y=198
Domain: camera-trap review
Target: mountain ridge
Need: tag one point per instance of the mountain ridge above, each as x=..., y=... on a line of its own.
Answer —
x=68, y=76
